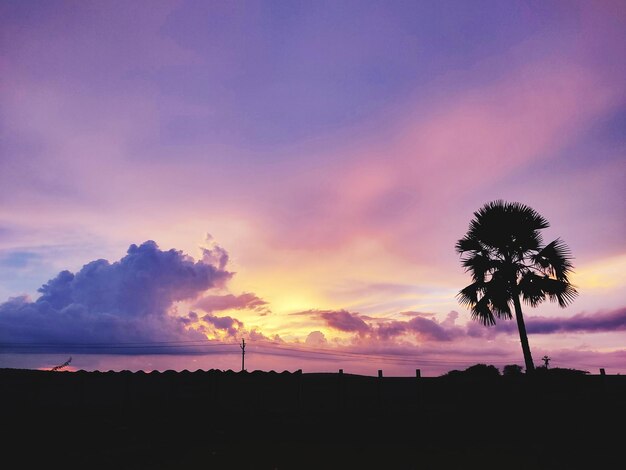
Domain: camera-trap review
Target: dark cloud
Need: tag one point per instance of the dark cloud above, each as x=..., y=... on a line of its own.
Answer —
x=343, y=320
x=426, y=328
x=423, y=326
x=247, y=300
x=190, y=319
x=614, y=320
x=125, y=301
x=476, y=330
x=227, y=324
x=389, y=330
x=227, y=327
x=603, y=321
x=430, y=330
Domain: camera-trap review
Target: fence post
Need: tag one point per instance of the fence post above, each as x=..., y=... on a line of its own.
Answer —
x=379, y=387
x=418, y=387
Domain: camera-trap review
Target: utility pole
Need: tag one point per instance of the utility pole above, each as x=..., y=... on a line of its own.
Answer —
x=546, y=360
x=243, y=353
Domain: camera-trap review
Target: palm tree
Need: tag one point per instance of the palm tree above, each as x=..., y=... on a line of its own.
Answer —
x=504, y=252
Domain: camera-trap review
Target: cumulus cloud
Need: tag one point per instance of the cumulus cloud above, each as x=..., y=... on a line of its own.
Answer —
x=125, y=301
x=213, y=253
x=316, y=339
x=255, y=335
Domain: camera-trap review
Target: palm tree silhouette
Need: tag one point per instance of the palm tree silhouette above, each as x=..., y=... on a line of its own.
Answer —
x=504, y=252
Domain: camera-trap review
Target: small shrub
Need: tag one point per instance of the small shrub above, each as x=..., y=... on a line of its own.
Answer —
x=477, y=370
x=512, y=370
x=560, y=372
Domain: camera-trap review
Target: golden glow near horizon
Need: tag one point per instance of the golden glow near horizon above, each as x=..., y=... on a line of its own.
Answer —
x=604, y=275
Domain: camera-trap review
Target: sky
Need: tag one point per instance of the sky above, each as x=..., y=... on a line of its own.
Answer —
x=176, y=176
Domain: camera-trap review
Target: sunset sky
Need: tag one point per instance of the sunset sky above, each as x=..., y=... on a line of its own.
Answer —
x=297, y=174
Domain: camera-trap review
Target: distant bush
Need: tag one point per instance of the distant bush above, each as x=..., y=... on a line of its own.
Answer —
x=477, y=370
x=512, y=370
x=560, y=372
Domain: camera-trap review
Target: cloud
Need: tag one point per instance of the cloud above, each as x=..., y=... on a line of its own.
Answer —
x=421, y=325
x=19, y=259
x=425, y=328
x=125, y=301
x=430, y=330
x=225, y=328
x=316, y=339
x=255, y=335
x=341, y=320
x=445, y=148
x=599, y=322
x=231, y=326
x=214, y=253
x=190, y=319
x=247, y=300
x=614, y=320
x=387, y=331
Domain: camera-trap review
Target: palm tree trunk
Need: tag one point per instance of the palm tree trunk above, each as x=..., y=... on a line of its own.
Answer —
x=528, y=358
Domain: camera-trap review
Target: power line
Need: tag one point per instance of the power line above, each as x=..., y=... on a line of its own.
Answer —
x=109, y=343
x=262, y=347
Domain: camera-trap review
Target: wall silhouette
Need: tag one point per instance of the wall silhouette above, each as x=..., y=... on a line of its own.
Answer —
x=226, y=419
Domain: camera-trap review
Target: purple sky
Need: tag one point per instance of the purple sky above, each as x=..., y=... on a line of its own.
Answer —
x=334, y=151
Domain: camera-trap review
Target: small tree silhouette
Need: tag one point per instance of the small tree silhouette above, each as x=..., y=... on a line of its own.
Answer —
x=512, y=369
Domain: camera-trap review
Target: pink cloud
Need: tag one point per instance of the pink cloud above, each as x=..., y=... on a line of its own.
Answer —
x=603, y=321
x=316, y=339
x=247, y=300
x=402, y=188
x=341, y=320
x=227, y=324
x=427, y=329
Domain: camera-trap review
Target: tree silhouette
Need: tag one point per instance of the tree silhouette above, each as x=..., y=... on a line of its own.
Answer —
x=512, y=370
x=504, y=252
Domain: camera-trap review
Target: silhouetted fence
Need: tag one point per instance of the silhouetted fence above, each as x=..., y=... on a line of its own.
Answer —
x=286, y=391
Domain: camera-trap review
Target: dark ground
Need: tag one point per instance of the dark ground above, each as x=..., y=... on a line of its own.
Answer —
x=267, y=420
